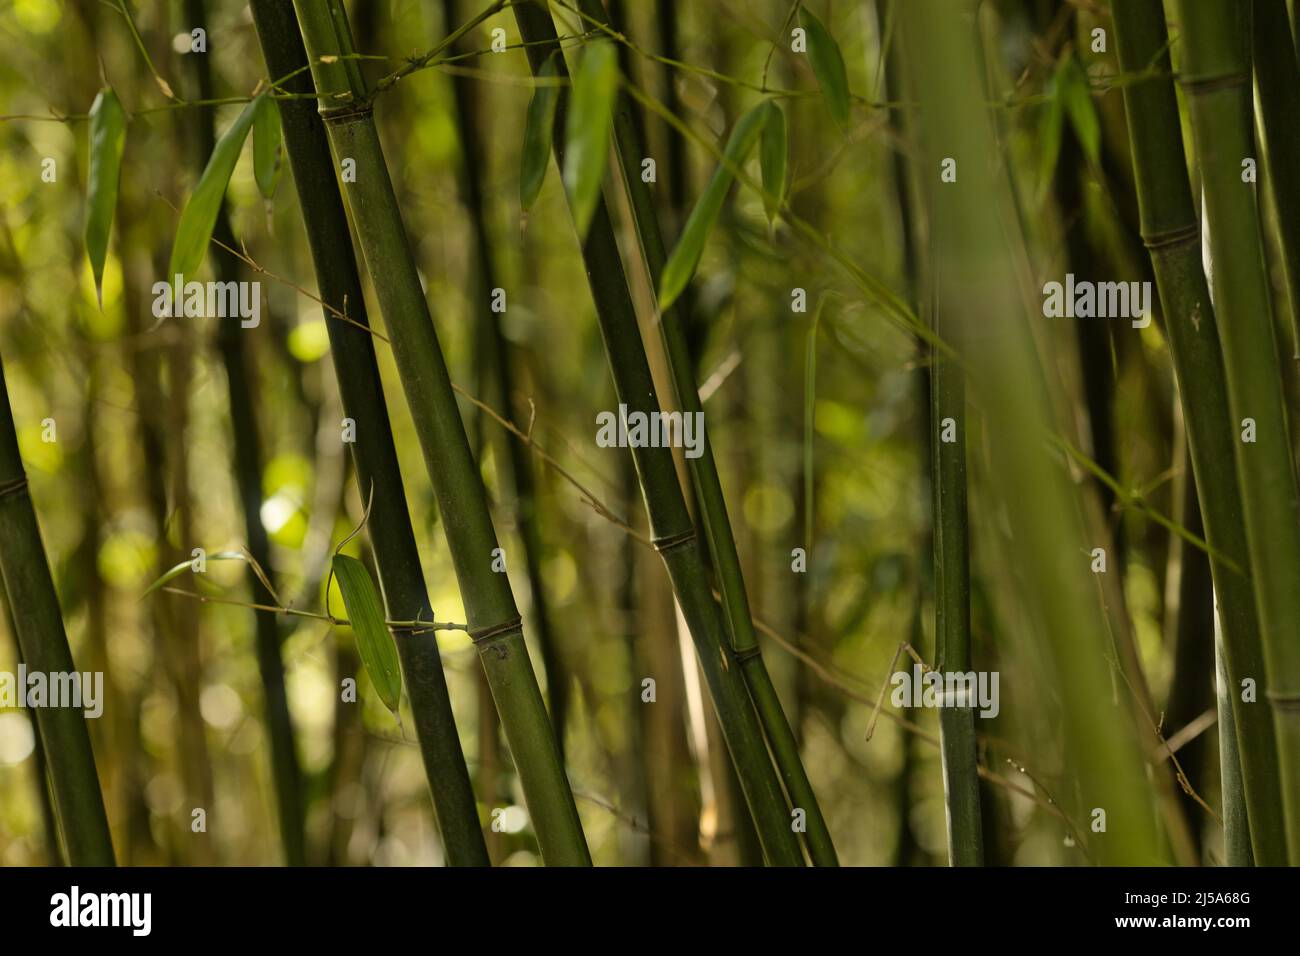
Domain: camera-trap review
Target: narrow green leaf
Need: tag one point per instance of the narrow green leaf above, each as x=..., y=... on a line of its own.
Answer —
x=591, y=116
x=175, y=572
x=772, y=150
x=686, y=254
x=366, y=616
x=107, y=140
x=828, y=66
x=200, y=212
x=1076, y=98
x=538, y=132
x=1050, y=122
x=266, y=146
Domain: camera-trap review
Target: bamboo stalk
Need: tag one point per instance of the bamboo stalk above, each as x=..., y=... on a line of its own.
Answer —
x=977, y=246
x=1237, y=827
x=495, y=356
x=1277, y=83
x=38, y=625
x=1215, y=75
x=374, y=452
x=494, y=619
x=708, y=489
x=1170, y=229
x=961, y=784
x=674, y=535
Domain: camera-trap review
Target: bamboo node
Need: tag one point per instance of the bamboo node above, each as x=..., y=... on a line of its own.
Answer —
x=15, y=486
x=343, y=115
x=1287, y=702
x=673, y=541
x=481, y=635
x=1209, y=84
x=1172, y=237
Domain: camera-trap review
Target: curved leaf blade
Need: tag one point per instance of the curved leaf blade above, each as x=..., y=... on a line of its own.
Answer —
x=539, y=130
x=827, y=65
x=200, y=212
x=1076, y=98
x=107, y=141
x=366, y=617
x=685, y=256
x=172, y=573
x=266, y=146
x=587, y=129
x=772, y=152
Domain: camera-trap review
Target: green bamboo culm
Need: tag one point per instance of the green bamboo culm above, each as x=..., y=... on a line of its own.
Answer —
x=373, y=451
x=236, y=359
x=958, y=748
x=708, y=489
x=1215, y=74
x=494, y=620
x=1277, y=84
x=1170, y=229
x=976, y=281
x=674, y=534
x=495, y=359
x=1237, y=829
x=38, y=623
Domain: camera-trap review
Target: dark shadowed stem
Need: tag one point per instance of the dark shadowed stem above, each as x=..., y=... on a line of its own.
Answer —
x=675, y=536
x=374, y=453
x=494, y=621
x=38, y=624
x=232, y=347
x=1277, y=84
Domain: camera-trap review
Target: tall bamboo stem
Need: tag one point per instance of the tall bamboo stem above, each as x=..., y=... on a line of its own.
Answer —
x=1215, y=75
x=977, y=246
x=352, y=349
x=708, y=489
x=494, y=619
x=675, y=536
x=1170, y=229
x=38, y=623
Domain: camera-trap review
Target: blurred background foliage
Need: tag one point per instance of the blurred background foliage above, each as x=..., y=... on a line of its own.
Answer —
x=140, y=472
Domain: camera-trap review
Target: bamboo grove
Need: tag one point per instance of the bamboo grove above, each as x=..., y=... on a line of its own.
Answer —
x=577, y=432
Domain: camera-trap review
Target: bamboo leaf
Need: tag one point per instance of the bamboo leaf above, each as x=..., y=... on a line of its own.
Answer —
x=772, y=150
x=1076, y=100
x=538, y=132
x=172, y=573
x=366, y=616
x=591, y=115
x=828, y=66
x=1050, y=123
x=107, y=140
x=266, y=146
x=200, y=212
x=685, y=256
